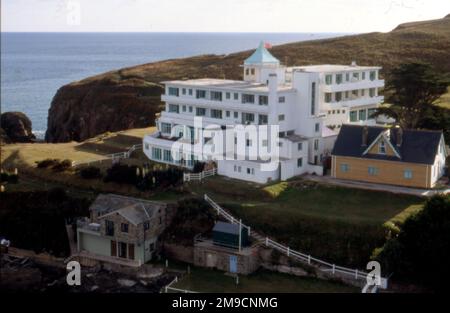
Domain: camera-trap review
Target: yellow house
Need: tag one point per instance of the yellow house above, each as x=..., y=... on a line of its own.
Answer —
x=412, y=158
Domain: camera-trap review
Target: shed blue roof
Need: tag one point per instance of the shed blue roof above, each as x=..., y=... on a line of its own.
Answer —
x=226, y=228
x=261, y=55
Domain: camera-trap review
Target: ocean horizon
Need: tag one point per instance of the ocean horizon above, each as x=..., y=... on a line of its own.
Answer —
x=34, y=65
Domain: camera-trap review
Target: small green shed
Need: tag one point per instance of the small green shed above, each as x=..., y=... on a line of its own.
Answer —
x=227, y=234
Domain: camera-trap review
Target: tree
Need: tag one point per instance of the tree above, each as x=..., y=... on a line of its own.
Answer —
x=420, y=252
x=412, y=90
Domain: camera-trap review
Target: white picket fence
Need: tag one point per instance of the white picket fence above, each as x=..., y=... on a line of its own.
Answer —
x=199, y=176
x=169, y=287
x=113, y=156
x=302, y=257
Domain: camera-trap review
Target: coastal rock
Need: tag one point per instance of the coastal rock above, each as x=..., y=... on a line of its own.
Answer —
x=130, y=97
x=16, y=127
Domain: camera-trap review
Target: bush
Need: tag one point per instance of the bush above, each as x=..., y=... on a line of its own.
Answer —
x=62, y=166
x=198, y=167
x=10, y=178
x=47, y=163
x=90, y=172
x=122, y=174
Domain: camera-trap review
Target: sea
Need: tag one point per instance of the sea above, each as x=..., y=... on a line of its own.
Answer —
x=35, y=65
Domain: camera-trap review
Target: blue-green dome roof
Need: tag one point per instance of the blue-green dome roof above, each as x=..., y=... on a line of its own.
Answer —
x=261, y=55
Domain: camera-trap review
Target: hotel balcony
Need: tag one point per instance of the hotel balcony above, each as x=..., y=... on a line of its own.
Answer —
x=351, y=103
x=359, y=84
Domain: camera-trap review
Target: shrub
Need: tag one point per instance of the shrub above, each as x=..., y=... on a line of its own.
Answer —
x=47, y=163
x=122, y=174
x=90, y=172
x=198, y=167
x=10, y=178
x=62, y=166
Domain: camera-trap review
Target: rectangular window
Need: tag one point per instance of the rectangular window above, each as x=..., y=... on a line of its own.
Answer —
x=167, y=156
x=200, y=111
x=190, y=109
x=313, y=98
x=262, y=119
x=200, y=94
x=370, y=112
x=344, y=168
x=246, y=98
x=346, y=95
x=173, y=91
x=236, y=114
x=216, y=95
x=227, y=95
x=146, y=226
x=362, y=115
x=190, y=92
x=183, y=91
x=372, y=92
x=328, y=79
x=316, y=144
x=347, y=77
x=166, y=128
x=299, y=162
x=236, y=96
x=227, y=113
x=281, y=117
x=252, y=71
x=156, y=153
x=184, y=108
x=373, y=75
x=363, y=92
x=248, y=118
x=263, y=100
x=355, y=92
x=363, y=75
x=407, y=174
x=174, y=108
x=124, y=228
x=382, y=147
x=327, y=97
x=317, y=127
x=338, y=96
x=216, y=113
x=300, y=146
x=338, y=78
x=281, y=99
x=373, y=171
x=109, y=228
x=356, y=76
x=248, y=142
x=353, y=116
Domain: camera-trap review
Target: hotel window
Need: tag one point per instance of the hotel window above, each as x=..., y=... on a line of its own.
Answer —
x=124, y=228
x=329, y=112
x=338, y=96
x=184, y=108
x=173, y=91
x=281, y=117
x=156, y=153
x=363, y=92
x=248, y=118
x=174, y=108
x=167, y=156
x=334, y=111
x=356, y=76
x=190, y=92
x=236, y=96
x=248, y=142
x=216, y=95
x=252, y=71
x=327, y=97
x=353, y=116
x=338, y=111
x=247, y=71
x=300, y=146
x=347, y=77
x=227, y=95
x=328, y=79
x=281, y=99
x=362, y=115
x=236, y=114
x=263, y=100
x=344, y=167
x=338, y=78
x=299, y=162
x=316, y=144
x=200, y=94
x=373, y=171
x=246, y=98
x=146, y=146
x=370, y=112
x=382, y=147
x=183, y=91
x=262, y=119
x=166, y=128
x=317, y=127
x=227, y=113
x=363, y=75
x=407, y=174
x=373, y=75
x=372, y=92
x=190, y=109
x=200, y=111
x=343, y=111
x=355, y=92
x=216, y=113
x=313, y=98
x=346, y=95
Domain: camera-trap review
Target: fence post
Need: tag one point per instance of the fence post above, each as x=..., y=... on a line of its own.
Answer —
x=334, y=268
x=287, y=252
x=267, y=241
x=309, y=259
x=356, y=274
x=248, y=227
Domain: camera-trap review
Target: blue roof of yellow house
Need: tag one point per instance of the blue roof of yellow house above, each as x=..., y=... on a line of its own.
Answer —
x=261, y=55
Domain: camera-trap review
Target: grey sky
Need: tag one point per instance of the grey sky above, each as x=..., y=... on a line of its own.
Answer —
x=216, y=15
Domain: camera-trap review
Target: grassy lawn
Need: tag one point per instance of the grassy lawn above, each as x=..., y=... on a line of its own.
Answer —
x=207, y=280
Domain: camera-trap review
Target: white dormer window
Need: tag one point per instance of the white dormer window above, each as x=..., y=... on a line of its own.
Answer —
x=382, y=147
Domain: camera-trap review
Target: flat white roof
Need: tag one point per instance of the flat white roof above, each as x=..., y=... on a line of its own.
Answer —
x=226, y=84
x=332, y=68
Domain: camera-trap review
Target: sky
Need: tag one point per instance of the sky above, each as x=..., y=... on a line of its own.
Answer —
x=350, y=16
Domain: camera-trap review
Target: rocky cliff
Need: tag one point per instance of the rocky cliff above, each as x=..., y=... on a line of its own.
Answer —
x=130, y=97
x=15, y=127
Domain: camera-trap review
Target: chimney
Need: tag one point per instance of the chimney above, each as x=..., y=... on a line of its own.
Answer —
x=399, y=138
x=365, y=134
